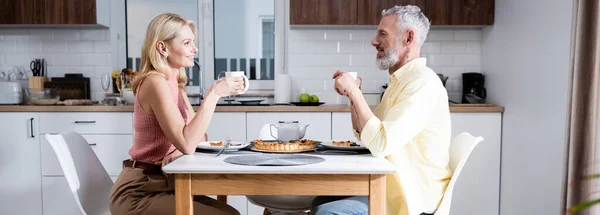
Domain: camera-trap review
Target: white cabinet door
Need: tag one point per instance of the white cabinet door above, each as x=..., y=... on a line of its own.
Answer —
x=224, y=125
x=21, y=187
x=87, y=122
x=319, y=123
x=341, y=127
x=480, y=182
x=58, y=199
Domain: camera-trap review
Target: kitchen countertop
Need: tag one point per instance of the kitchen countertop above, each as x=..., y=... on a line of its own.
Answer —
x=459, y=108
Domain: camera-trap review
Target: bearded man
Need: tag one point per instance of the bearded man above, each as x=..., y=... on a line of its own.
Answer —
x=411, y=125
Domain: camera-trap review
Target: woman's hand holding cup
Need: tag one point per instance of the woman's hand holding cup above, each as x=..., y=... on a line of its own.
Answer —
x=233, y=83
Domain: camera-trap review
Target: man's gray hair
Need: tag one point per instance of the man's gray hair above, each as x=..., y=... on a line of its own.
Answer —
x=410, y=17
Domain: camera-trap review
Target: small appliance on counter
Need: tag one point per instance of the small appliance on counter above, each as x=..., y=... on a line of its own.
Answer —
x=11, y=93
x=473, y=88
x=72, y=86
x=443, y=79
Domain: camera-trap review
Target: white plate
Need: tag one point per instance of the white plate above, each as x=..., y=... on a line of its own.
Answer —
x=329, y=145
x=235, y=145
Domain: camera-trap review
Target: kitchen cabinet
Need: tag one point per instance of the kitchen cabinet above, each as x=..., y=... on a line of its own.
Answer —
x=87, y=122
x=20, y=159
x=332, y=12
x=481, y=184
x=319, y=123
x=368, y=12
x=55, y=12
x=227, y=125
x=38, y=181
x=341, y=128
x=110, y=135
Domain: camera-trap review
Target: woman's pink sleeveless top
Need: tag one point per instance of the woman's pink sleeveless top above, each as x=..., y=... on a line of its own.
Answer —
x=150, y=144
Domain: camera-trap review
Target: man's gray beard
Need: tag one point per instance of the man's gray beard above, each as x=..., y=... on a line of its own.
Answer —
x=389, y=59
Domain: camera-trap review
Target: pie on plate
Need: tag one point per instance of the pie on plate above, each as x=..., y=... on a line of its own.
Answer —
x=344, y=145
x=218, y=145
x=291, y=146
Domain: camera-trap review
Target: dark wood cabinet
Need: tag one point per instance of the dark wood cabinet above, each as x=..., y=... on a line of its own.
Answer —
x=471, y=12
x=333, y=12
x=368, y=12
x=53, y=12
x=69, y=12
x=24, y=11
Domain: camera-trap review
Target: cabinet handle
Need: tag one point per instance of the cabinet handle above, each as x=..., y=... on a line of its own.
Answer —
x=87, y=122
x=31, y=126
x=92, y=144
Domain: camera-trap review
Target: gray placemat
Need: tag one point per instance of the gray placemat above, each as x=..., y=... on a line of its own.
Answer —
x=273, y=160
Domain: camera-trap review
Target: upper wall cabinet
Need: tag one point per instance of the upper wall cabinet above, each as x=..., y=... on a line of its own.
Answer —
x=55, y=12
x=368, y=12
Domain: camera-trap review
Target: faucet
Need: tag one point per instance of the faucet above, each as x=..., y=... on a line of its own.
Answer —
x=201, y=82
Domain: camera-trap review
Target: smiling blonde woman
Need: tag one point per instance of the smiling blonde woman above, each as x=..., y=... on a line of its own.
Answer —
x=165, y=124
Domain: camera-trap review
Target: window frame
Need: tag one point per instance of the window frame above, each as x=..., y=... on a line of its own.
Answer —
x=206, y=40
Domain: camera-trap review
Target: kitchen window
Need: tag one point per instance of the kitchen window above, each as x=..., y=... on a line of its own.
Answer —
x=242, y=36
x=233, y=35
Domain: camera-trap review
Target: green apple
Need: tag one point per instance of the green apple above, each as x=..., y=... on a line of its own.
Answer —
x=304, y=98
x=314, y=99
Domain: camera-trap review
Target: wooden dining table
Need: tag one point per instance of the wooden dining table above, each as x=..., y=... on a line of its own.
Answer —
x=337, y=175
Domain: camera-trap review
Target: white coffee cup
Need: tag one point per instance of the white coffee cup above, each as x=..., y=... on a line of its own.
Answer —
x=237, y=74
x=353, y=74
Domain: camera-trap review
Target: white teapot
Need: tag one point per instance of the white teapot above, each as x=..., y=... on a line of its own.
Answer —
x=288, y=130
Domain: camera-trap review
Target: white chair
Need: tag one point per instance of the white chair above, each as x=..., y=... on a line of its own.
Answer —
x=288, y=205
x=460, y=150
x=88, y=180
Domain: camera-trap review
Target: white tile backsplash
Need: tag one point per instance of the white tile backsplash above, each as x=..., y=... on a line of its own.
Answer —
x=86, y=51
x=315, y=54
x=467, y=35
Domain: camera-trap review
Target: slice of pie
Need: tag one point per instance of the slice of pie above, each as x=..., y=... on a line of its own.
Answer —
x=344, y=143
x=220, y=143
x=297, y=145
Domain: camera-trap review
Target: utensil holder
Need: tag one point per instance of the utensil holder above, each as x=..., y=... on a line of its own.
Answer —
x=37, y=81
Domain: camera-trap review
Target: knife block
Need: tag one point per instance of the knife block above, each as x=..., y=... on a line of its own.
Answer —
x=37, y=81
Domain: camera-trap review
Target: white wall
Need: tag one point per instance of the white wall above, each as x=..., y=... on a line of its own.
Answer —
x=92, y=52
x=141, y=12
x=525, y=56
x=314, y=54
x=65, y=51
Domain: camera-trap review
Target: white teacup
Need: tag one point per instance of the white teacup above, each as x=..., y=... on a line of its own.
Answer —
x=353, y=74
x=237, y=74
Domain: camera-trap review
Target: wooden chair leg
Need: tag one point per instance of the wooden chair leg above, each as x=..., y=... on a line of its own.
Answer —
x=222, y=198
x=267, y=212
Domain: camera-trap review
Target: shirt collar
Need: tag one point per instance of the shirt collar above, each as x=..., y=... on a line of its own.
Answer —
x=412, y=64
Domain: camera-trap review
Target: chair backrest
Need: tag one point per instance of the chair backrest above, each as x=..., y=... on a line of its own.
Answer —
x=460, y=150
x=88, y=180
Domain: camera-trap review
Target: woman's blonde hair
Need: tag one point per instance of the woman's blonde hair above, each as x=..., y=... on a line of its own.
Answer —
x=165, y=28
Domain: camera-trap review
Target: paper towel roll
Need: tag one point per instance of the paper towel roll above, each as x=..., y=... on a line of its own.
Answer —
x=283, y=88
